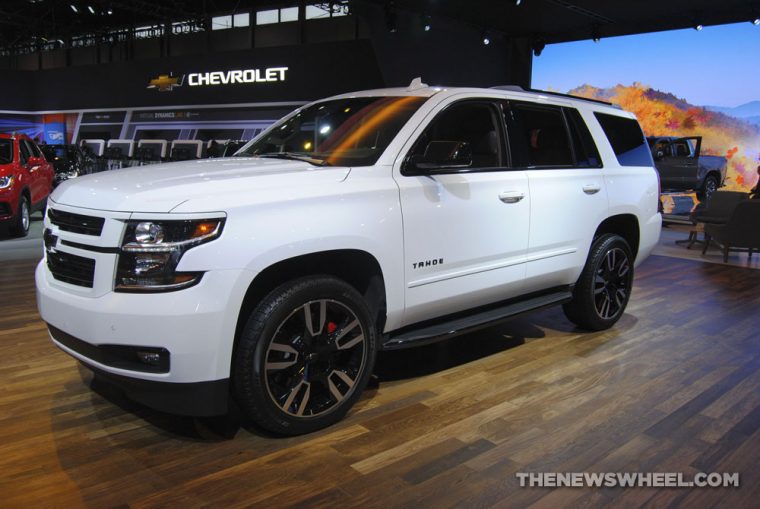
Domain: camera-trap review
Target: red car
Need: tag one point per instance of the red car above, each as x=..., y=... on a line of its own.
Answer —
x=26, y=180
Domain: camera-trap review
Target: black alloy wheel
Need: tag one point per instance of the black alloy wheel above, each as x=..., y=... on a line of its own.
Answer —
x=305, y=355
x=604, y=287
x=709, y=187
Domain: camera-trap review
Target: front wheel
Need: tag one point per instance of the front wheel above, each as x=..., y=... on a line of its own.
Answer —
x=22, y=221
x=304, y=356
x=604, y=287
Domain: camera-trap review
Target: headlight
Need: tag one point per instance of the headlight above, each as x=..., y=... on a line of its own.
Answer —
x=6, y=182
x=151, y=250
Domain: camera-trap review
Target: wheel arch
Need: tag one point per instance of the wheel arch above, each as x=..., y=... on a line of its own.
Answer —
x=625, y=225
x=356, y=267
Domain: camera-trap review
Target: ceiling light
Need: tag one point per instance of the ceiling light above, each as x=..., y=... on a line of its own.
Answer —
x=756, y=21
x=518, y=2
x=486, y=40
x=89, y=8
x=426, y=23
x=698, y=27
x=74, y=8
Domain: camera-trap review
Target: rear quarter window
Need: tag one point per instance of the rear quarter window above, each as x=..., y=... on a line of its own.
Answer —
x=627, y=140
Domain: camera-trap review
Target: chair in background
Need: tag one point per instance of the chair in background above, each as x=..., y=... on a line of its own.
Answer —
x=740, y=233
x=717, y=210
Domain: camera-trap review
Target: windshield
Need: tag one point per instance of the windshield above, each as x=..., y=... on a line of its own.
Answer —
x=6, y=151
x=342, y=132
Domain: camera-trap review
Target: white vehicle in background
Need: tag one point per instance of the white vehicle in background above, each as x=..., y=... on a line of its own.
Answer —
x=374, y=220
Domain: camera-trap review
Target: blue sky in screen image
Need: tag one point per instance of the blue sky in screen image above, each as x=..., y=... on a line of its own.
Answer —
x=717, y=66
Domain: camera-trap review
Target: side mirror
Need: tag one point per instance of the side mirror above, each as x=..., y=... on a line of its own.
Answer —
x=440, y=156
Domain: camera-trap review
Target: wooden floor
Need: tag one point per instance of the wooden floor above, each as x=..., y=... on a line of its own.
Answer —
x=674, y=387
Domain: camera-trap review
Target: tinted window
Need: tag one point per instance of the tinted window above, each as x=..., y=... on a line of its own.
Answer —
x=541, y=136
x=26, y=153
x=627, y=140
x=6, y=151
x=34, y=149
x=471, y=123
x=586, y=154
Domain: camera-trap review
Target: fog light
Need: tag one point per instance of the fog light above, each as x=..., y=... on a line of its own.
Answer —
x=151, y=358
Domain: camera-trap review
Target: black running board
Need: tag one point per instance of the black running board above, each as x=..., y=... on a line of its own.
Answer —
x=431, y=332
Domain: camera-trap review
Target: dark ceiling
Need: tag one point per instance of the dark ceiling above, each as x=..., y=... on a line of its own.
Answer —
x=26, y=22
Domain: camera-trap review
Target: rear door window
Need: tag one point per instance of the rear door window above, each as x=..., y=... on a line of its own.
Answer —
x=539, y=136
x=627, y=140
x=586, y=154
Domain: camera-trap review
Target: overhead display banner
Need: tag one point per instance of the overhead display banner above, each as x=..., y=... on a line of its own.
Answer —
x=264, y=75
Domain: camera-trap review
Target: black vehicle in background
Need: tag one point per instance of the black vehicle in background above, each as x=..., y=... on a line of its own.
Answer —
x=69, y=161
x=682, y=168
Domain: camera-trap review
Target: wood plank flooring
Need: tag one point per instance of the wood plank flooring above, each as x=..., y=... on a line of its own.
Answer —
x=674, y=387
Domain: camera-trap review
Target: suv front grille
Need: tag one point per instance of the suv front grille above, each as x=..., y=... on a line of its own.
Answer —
x=72, y=269
x=76, y=223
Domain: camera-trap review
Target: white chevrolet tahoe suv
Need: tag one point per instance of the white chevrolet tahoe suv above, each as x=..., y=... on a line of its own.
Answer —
x=373, y=220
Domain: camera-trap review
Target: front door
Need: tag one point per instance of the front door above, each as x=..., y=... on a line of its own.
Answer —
x=465, y=227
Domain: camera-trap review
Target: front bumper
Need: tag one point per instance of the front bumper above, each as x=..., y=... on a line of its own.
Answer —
x=195, y=326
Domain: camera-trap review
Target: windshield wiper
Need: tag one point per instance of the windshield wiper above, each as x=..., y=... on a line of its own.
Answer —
x=295, y=157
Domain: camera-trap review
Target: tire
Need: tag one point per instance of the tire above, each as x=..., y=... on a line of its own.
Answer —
x=709, y=186
x=293, y=377
x=604, y=287
x=20, y=225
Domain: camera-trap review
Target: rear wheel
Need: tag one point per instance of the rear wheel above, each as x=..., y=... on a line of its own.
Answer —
x=20, y=225
x=604, y=287
x=708, y=188
x=305, y=355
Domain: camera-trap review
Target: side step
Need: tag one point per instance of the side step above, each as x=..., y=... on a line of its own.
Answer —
x=431, y=332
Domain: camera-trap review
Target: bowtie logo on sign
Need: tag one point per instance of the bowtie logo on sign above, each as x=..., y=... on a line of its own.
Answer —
x=167, y=82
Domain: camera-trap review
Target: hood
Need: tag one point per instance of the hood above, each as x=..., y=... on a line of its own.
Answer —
x=162, y=187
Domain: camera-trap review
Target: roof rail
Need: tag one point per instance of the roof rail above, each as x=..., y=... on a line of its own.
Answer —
x=518, y=88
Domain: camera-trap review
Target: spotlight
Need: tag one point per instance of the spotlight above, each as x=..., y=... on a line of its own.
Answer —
x=538, y=46
x=756, y=21
x=109, y=11
x=485, y=38
x=89, y=8
x=698, y=27
x=74, y=8
x=517, y=3
x=390, y=17
x=426, y=23
x=595, y=33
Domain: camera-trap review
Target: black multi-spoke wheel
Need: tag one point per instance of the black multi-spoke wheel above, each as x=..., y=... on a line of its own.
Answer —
x=305, y=355
x=604, y=287
x=708, y=188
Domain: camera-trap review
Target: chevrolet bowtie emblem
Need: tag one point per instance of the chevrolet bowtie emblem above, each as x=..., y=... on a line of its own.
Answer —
x=166, y=82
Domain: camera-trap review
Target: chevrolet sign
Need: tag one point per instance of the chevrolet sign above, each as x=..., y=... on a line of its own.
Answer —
x=167, y=82
x=198, y=79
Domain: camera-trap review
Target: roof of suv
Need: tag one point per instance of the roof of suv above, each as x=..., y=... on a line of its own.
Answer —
x=417, y=88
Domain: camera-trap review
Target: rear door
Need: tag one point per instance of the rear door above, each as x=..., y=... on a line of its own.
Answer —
x=567, y=188
x=465, y=228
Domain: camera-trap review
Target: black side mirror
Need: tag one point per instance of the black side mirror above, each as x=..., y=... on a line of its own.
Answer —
x=440, y=156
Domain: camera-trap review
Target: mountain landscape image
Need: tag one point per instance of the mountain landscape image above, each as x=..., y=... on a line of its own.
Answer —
x=730, y=132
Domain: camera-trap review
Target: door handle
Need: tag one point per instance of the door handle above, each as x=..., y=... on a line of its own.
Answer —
x=592, y=188
x=511, y=196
